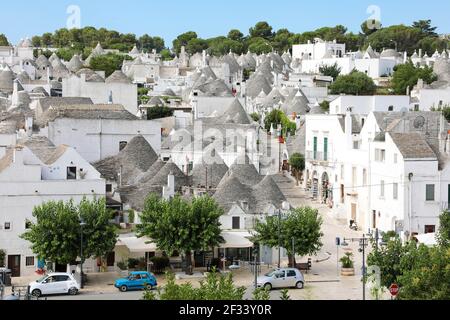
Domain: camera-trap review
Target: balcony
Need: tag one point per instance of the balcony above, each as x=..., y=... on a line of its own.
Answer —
x=445, y=206
x=318, y=156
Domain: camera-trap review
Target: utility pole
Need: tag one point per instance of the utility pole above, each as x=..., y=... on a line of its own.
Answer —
x=279, y=239
x=363, y=243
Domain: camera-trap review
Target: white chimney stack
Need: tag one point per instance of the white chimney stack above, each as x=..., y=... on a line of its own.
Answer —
x=348, y=128
x=169, y=190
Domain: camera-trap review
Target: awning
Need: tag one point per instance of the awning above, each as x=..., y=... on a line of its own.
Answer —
x=236, y=239
x=428, y=239
x=137, y=245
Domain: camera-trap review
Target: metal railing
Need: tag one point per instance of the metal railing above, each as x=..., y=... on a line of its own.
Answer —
x=318, y=156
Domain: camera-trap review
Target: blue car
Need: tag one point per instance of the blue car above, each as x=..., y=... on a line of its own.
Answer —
x=136, y=281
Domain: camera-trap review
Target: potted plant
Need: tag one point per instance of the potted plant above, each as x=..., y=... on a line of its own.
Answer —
x=348, y=267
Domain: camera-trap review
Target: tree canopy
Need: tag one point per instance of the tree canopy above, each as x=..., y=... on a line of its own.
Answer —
x=277, y=117
x=109, y=63
x=355, y=83
x=3, y=40
x=297, y=162
x=178, y=225
x=303, y=225
x=56, y=235
x=406, y=75
x=331, y=71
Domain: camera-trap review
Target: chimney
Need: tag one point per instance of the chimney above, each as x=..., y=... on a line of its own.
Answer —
x=18, y=155
x=405, y=57
x=420, y=53
x=169, y=190
x=29, y=125
x=204, y=58
x=443, y=136
x=15, y=95
x=348, y=128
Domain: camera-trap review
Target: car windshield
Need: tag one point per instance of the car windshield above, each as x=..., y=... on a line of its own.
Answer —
x=41, y=278
x=271, y=274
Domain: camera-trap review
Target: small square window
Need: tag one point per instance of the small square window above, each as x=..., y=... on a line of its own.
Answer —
x=7, y=225
x=109, y=188
x=71, y=173
x=29, y=261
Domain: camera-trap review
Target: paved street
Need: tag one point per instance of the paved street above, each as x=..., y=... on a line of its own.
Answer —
x=323, y=282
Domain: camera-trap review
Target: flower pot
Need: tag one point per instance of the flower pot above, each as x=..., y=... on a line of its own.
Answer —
x=347, y=272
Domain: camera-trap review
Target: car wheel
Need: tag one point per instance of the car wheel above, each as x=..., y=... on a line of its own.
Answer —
x=73, y=291
x=148, y=287
x=268, y=287
x=36, y=293
x=300, y=285
x=123, y=288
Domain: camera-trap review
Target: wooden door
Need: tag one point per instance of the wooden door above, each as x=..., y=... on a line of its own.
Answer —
x=14, y=265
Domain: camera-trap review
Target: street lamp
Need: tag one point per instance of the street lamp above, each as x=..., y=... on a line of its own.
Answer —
x=82, y=224
x=363, y=243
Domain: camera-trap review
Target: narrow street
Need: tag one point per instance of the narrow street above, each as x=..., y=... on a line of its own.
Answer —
x=324, y=281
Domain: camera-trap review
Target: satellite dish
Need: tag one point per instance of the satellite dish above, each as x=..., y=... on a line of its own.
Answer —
x=419, y=122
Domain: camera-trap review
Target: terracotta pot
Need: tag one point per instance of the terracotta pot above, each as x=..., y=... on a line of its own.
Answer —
x=347, y=272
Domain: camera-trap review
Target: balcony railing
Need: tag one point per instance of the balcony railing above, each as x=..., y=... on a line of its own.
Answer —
x=318, y=156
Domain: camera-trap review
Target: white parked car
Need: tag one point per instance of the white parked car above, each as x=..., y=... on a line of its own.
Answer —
x=282, y=278
x=54, y=283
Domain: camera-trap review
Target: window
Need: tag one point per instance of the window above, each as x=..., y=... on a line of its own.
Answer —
x=62, y=278
x=416, y=107
x=380, y=155
x=122, y=145
x=236, y=223
x=430, y=192
x=356, y=145
x=382, y=189
x=27, y=224
x=29, y=261
x=71, y=173
x=430, y=229
x=391, y=108
x=7, y=225
x=291, y=273
x=144, y=276
x=108, y=188
x=395, y=191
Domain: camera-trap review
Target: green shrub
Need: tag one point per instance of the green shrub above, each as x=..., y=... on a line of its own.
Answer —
x=347, y=260
x=122, y=265
x=132, y=263
x=160, y=264
x=2, y=257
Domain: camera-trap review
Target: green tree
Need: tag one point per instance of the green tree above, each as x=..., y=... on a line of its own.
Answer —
x=303, y=225
x=56, y=235
x=2, y=258
x=426, y=273
x=255, y=117
x=325, y=105
x=183, y=40
x=166, y=54
x=406, y=75
x=277, y=117
x=3, y=40
x=262, y=29
x=297, y=162
x=370, y=26
x=356, y=83
x=259, y=45
x=235, y=35
x=425, y=27
x=177, y=225
x=444, y=229
x=331, y=71
x=261, y=294
x=196, y=45
x=109, y=63
x=159, y=112
x=37, y=41
x=404, y=37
